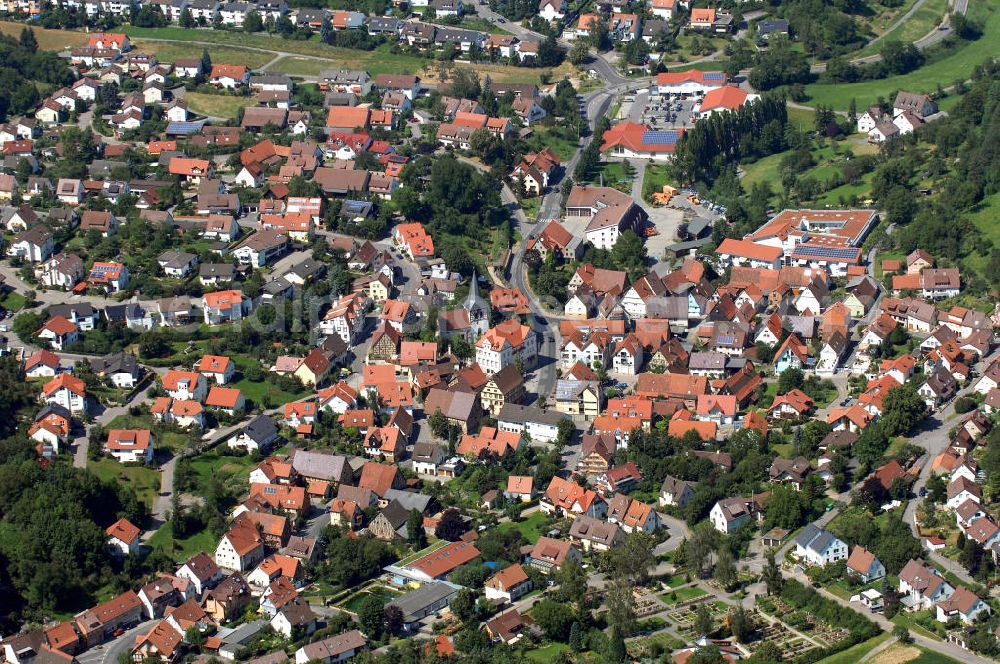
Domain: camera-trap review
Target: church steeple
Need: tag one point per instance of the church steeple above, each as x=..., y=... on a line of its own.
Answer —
x=479, y=312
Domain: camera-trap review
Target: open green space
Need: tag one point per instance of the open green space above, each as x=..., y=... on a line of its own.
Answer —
x=423, y=552
x=231, y=470
x=216, y=106
x=855, y=652
x=682, y=595
x=925, y=19
x=985, y=218
x=944, y=72
x=549, y=653
x=230, y=55
x=261, y=391
x=884, y=17
x=931, y=657
x=145, y=481
x=353, y=604
x=918, y=623
x=298, y=65
x=803, y=117
x=182, y=549
x=552, y=137
x=530, y=527
x=13, y=301
x=48, y=40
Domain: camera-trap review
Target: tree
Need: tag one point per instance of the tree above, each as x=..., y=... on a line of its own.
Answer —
x=579, y=52
x=872, y=495
x=451, y=527
x=616, y=646
x=901, y=633
x=902, y=408
x=572, y=579
x=741, y=624
x=415, y=533
x=790, y=379
x=767, y=653
x=252, y=22
x=393, y=619
x=725, y=572
x=28, y=40
x=464, y=605
x=206, y=61
x=629, y=254
x=554, y=618
x=575, y=637
x=371, y=616
x=772, y=576
x=707, y=655
x=186, y=20
x=703, y=625
x=438, y=424
x=621, y=605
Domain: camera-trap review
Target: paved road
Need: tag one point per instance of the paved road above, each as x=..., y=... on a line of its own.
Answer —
x=933, y=438
x=109, y=652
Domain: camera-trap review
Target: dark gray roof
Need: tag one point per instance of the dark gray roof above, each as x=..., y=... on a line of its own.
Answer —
x=513, y=412
x=218, y=270
x=319, y=465
x=409, y=499
x=814, y=538
x=261, y=428
x=415, y=601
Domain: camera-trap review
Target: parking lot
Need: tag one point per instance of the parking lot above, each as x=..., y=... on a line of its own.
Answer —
x=660, y=111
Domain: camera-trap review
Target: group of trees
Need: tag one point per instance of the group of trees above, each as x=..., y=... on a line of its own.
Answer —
x=22, y=68
x=755, y=129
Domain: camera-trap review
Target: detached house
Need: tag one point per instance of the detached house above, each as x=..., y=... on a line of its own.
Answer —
x=816, y=546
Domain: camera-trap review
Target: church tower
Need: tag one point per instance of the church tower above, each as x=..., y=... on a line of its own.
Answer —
x=479, y=310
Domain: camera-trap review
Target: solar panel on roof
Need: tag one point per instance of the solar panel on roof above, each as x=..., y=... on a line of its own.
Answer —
x=832, y=252
x=659, y=138
x=184, y=127
x=714, y=76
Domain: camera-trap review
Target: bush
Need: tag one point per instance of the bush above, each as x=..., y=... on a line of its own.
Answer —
x=965, y=405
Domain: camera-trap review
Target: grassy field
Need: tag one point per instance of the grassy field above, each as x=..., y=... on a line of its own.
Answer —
x=530, y=527
x=170, y=51
x=379, y=61
x=298, y=65
x=143, y=479
x=959, y=65
x=542, y=137
x=886, y=17
x=48, y=40
x=985, y=218
x=682, y=595
x=232, y=470
x=549, y=653
x=855, y=652
x=12, y=301
x=805, y=118
x=219, y=106
x=182, y=549
x=923, y=21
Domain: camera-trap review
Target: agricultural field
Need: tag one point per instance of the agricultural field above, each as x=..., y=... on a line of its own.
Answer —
x=216, y=106
x=48, y=40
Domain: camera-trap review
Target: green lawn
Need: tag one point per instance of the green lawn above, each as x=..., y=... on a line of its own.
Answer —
x=530, y=527
x=803, y=117
x=13, y=301
x=552, y=137
x=763, y=170
x=682, y=595
x=985, y=218
x=232, y=470
x=354, y=603
x=182, y=549
x=256, y=391
x=932, y=657
x=910, y=621
x=654, y=179
x=423, y=552
x=145, y=481
x=549, y=653
x=923, y=21
x=294, y=65
x=217, y=106
x=855, y=652
x=378, y=61
x=231, y=55
x=612, y=174
x=944, y=72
